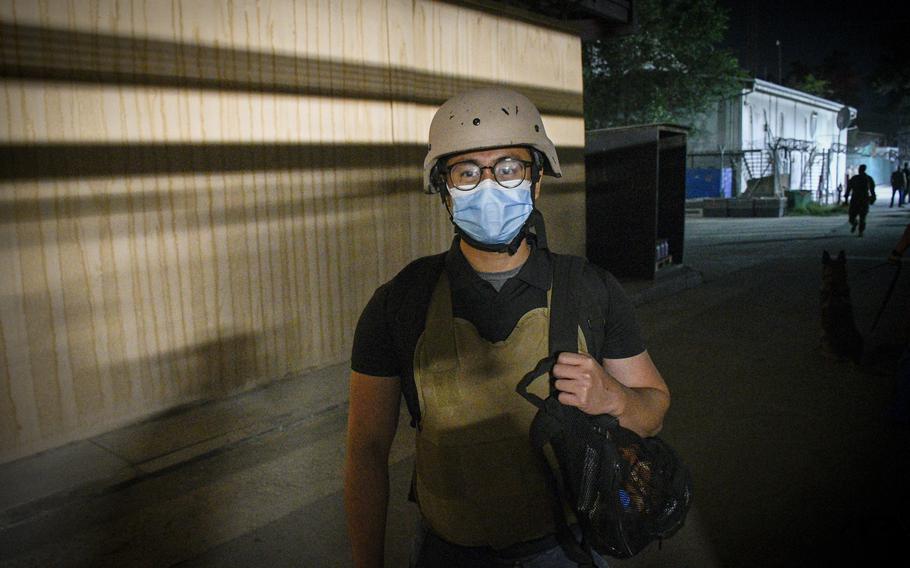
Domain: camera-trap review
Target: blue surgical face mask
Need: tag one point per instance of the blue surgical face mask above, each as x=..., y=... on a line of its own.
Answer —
x=490, y=213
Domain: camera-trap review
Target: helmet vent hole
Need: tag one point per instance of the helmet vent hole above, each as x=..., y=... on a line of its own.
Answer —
x=536, y=128
x=504, y=110
x=476, y=121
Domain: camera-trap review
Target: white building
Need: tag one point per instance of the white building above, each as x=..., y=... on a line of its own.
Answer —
x=767, y=121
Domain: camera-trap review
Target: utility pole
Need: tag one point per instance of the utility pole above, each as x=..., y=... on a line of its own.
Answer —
x=780, y=78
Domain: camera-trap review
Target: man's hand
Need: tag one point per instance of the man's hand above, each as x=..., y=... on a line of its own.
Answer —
x=585, y=384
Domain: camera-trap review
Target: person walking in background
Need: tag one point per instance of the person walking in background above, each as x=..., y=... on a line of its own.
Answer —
x=860, y=194
x=898, y=186
x=906, y=171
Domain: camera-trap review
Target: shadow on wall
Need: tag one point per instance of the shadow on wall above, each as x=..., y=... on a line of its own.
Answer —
x=135, y=231
x=161, y=521
x=217, y=187
x=50, y=54
x=30, y=52
x=359, y=171
x=210, y=368
x=154, y=515
x=75, y=160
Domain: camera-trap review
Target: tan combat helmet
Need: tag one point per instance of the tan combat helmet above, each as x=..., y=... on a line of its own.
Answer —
x=486, y=118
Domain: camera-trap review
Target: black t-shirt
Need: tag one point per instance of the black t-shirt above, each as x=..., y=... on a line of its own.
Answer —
x=393, y=320
x=861, y=187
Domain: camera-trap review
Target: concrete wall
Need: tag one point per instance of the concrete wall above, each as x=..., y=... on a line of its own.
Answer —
x=199, y=196
x=721, y=127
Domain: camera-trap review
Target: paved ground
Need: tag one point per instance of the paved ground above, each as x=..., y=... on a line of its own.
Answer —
x=793, y=461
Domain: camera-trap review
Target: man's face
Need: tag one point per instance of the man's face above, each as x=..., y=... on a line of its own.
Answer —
x=490, y=157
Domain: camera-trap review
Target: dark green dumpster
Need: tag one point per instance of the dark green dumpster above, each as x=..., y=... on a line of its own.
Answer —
x=798, y=198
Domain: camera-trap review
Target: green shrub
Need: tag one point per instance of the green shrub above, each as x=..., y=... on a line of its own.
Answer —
x=817, y=209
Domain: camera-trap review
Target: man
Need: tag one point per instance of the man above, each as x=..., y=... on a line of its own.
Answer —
x=905, y=196
x=454, y=333
x=860, y=194
x=898, y=185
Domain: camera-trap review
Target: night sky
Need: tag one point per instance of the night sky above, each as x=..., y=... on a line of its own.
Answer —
x=810, y=31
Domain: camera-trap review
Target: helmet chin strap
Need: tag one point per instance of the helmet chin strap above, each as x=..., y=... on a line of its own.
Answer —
x=534, y=220
x=510, y=247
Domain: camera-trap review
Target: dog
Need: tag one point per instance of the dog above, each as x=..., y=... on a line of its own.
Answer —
x=840, y=337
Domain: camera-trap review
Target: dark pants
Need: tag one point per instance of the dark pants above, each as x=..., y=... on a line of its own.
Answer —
x=858, y=210
x=900, y=196
x=430, y=551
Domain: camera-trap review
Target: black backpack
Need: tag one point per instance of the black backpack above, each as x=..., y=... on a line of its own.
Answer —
x=625, y=491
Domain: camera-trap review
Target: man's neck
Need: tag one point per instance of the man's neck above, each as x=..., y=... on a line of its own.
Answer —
x=486, y=261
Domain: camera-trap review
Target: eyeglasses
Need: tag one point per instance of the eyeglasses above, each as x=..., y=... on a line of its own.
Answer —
x=508, y=172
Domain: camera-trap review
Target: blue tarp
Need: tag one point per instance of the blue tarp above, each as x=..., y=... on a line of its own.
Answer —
x=709, y=182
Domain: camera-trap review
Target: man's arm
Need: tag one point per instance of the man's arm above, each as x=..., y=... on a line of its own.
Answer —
x=372, y=422
x=904, y=242
x=902, y=245
x=630, y=389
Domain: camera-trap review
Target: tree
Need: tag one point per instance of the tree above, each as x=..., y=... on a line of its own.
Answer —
x=813, y=85
x=669, y=71
x=805, y=78
x=891, y=79
x=844, y=81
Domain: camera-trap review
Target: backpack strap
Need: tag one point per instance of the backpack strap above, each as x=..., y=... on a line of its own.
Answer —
x=567, y=275
x=563, y=336
x=563, y=327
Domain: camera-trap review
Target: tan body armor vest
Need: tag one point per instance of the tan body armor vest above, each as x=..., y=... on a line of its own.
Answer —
x=478, y=482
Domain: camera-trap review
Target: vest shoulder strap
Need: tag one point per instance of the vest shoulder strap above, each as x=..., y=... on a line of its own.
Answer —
x=412, y=289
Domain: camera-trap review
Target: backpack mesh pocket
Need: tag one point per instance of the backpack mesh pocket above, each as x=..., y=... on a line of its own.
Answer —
x=626, y=491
